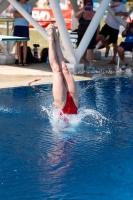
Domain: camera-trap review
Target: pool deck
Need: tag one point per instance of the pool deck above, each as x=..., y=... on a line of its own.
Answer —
x=13, y=75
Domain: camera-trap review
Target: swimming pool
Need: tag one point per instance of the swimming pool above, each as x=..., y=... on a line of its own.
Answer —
x=89, y=158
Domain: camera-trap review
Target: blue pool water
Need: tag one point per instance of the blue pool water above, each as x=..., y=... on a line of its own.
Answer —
x=89, y=158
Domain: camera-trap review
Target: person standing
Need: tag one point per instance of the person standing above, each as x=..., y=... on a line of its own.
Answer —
x=85, y=16
x=111, y=28
x=21, y=29
x=127, y=45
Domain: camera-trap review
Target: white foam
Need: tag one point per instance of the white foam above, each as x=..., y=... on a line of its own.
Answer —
x=8, y=110
x=86, y=116
x=128, y=71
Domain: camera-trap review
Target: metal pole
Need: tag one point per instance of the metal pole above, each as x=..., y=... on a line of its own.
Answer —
x=7, y=30
x=32, y=2
x=3, y=48
x=3, y=5
x=74, y=5
x=10, y=44
x=62, y=28
x=29, y=18
x=91, y=29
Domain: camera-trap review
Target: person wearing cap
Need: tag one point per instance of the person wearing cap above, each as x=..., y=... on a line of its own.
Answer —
x=111, y=28
x=85, y=16
x=127, y=45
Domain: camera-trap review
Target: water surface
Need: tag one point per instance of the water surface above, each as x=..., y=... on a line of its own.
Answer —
x=89, y=158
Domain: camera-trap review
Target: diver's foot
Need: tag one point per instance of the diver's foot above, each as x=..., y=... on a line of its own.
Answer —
x=50, y=32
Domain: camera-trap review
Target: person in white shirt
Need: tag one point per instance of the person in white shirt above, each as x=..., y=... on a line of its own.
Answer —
x=111, y=28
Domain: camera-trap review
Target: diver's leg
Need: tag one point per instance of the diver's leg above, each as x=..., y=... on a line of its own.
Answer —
x=68, y=78
x=59, y=90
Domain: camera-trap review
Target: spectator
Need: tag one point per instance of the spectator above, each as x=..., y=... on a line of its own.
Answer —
x=21, y=29
x=47, y=5
x=127, y=45
x=85, y=16
x=111, y=28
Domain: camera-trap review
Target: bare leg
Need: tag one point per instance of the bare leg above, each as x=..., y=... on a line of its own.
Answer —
x=59, y=89
x=104, y=41
x=115, y=51
x=68, y=79
x=84, y=59
x=90, y=56
x=24, y=51
x=19, y=52
x=121, y=54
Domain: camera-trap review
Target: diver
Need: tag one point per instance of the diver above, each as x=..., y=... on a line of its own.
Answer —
x=64, y=89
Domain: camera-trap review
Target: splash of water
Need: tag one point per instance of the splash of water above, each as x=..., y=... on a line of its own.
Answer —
x=128, y=71
x=8, y=110
x=87, y=116
x=93, y=115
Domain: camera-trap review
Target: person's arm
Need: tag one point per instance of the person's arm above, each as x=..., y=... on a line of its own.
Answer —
x=79, y=13
x=124, y=33
x=124, y=14
x=17, y=15
x=122, y=11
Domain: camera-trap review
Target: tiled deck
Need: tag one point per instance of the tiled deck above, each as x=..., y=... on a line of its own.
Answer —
x=12, y=76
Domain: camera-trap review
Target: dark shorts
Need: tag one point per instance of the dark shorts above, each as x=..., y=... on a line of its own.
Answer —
x=21, y=31
x=92, y=44
x=127, y=46
x=113, y=33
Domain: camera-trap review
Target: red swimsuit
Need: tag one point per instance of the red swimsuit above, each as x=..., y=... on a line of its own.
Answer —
x=70, y=107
